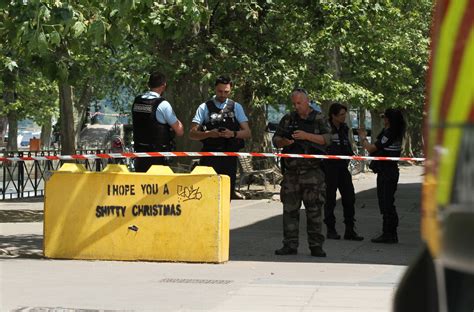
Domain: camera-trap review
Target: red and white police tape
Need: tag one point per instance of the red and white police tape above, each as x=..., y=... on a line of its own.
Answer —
x=200, y=154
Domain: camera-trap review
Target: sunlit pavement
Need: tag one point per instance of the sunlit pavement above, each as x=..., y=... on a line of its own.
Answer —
x=356, y=276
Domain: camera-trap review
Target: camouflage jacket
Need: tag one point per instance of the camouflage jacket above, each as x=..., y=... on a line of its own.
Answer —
x=315, y=123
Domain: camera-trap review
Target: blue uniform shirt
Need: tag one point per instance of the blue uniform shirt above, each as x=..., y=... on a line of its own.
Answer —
x=202, y=113
x=164, y=112
x=315, y=106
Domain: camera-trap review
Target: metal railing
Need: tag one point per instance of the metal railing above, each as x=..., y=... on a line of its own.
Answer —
x=22, y=179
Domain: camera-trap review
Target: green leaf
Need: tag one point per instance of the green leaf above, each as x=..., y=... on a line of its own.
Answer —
x=4, y=3
x=78, y=28
x=10, y=64
x=113, y=12
x=44, y=13
x=42, y=43
x=115, y=35
x=54, y=39
x=97, y=32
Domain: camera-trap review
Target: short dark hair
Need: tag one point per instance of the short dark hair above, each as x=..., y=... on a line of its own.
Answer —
x=157, y=79
x=223, y=80
x=335, y=109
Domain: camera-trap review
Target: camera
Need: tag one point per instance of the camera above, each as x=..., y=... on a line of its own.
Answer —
x=288, y=132
x=216, y=118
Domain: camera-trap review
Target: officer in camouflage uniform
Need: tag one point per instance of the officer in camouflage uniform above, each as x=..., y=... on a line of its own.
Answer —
x=303, y=131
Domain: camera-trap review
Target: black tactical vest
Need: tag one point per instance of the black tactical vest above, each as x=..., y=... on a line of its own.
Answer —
x=302, y=146
x=221, y=118
x=148, y=134
x=340, y=143
x=393, y=150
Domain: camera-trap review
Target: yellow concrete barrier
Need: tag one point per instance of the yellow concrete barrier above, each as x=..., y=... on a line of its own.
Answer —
x=120, y=215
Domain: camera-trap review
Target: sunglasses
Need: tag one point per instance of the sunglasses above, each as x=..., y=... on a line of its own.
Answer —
x=301, y=90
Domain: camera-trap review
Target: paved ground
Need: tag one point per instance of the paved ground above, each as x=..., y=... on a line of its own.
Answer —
x=356, y=276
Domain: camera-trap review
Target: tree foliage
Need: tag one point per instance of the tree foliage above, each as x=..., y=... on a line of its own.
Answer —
x=369, y=54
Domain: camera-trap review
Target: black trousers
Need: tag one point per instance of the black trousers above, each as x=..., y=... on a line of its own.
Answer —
x=222, y=165
x=144, y=163
x=339, y=177
x=387, y=181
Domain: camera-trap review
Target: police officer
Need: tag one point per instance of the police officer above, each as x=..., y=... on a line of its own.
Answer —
x=154, y=123
x=221, y=125
x=303, y=131
x=338, y=176
x=388, y=143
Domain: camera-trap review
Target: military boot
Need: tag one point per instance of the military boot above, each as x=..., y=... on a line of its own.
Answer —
x=236, y=195
x=332, y=233
x=386, y=238
x=350, y=234
x=286, y=250
x=317, y=251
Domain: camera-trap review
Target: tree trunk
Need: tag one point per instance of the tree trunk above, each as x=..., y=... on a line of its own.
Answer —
x=333, y=57
x=407, y=146
x=185, y=95
x=377, y=124
x=66, y=118
x=413, y=140
x=46, y=130
x=12, y=144
x=257, y=121
x=362, y=118
x=335, y=63
x=80, y=109
x=414, y=133
x=3, y=129
x=9, y=79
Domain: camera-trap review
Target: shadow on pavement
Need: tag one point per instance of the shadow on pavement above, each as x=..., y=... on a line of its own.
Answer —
x=21, y=216
x=21, y=246
x=257, y=242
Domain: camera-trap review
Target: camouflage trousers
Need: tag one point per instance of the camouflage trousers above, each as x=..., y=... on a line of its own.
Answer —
x=307, y=187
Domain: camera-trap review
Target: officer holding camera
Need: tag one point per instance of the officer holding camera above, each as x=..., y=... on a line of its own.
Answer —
x=303, y=131
x=221, y=125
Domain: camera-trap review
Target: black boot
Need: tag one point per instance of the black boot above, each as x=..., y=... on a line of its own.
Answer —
x=386, y=238
x=286, y=250
x=317, y=251
x=332, y=233
x=236, y=195
x=350, y=234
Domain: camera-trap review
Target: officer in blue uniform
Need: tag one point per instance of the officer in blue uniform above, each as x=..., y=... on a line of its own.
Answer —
x=221, y=125
x=154, y=123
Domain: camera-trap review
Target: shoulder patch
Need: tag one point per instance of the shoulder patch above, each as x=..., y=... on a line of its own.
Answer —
x=384, y=139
